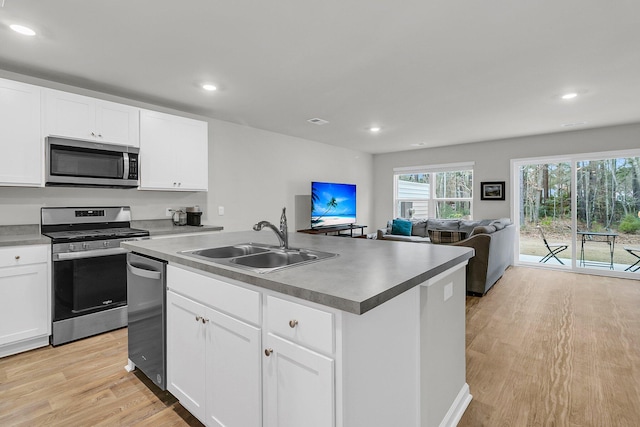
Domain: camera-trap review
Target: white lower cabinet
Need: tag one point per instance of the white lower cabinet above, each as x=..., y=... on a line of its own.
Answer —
x=243, y=356
x=25, y=303
x=213, y=358
x=299, y=386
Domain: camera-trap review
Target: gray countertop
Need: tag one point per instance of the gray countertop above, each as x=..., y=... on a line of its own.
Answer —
x=19, y=235
x=366, y=273
x=161, y=227
x=29, y=234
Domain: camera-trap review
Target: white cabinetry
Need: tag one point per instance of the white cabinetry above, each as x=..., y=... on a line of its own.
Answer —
x=399, y=364
x=299, y=382
x=76, y=116
x=173, y=152
x=25, y=302
x=20, y=142
x=213, y=354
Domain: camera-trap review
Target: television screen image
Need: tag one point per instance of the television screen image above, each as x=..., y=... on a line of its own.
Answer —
x=332, y=204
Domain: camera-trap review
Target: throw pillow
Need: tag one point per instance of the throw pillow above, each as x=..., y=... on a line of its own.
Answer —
x=401, y=227
x=444, y=236
x=483, y=229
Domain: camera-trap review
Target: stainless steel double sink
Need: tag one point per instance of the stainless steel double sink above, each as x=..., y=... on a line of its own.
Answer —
x=259, y=258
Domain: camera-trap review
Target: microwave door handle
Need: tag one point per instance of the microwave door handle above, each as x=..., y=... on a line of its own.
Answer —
x=125, y=157
x=148, y=274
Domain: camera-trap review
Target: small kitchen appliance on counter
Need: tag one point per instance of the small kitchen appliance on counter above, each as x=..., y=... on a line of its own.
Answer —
x=89, y=273
x=179, y=217
x=194, y=214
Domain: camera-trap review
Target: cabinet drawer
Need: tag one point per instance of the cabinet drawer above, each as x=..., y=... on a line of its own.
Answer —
x=239, y=302
x=23, y=255
x=304, y=325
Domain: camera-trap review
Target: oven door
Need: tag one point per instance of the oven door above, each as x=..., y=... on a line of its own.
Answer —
x=87, y=282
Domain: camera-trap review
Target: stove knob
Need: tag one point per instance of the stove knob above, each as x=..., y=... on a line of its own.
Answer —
x=105, y=243
x=85, y=246
x=72, y=247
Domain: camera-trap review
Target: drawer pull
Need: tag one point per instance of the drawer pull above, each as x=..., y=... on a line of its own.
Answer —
x=293, y=323
x=17, y=257
x=268, y=351
x=201, y=319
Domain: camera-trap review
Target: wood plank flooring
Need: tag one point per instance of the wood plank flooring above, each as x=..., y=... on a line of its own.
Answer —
x=548, y=348
x=83, y=384
x=544, y=348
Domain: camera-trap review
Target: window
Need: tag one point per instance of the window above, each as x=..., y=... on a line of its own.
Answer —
x=434, y=191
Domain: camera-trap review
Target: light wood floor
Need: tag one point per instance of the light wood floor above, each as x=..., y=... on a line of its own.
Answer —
x=547, y=348
x=543, y=349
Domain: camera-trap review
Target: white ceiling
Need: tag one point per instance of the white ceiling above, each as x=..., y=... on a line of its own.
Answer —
x=432, y=72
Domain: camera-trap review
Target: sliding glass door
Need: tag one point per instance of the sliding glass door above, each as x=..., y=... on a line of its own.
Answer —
x=580, y=213
x=545, y=212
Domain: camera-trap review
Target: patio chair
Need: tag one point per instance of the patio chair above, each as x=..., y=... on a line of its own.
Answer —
x=636, y=253
x=553, y=248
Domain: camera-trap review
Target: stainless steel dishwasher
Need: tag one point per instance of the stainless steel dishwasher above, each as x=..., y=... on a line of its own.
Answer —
x=146, y=301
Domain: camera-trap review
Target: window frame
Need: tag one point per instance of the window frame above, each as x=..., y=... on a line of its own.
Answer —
x=432, y=201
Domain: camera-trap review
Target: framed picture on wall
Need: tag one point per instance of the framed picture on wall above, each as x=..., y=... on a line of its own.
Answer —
x=493, y=190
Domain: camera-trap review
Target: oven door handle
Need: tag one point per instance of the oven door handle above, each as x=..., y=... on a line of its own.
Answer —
x=148, y=274
x=89, y=254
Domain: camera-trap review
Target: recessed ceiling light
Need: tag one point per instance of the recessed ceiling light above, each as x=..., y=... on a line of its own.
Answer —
x=374, y=129
x=569, y=95
x=568, y=125
x=26, y=31
x=209, y=87
x=318, y=121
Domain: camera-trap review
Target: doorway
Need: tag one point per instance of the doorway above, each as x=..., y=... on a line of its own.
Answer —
x=579, y=213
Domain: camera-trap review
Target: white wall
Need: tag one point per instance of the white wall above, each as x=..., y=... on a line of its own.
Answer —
x=492, y=162
x=252, y=173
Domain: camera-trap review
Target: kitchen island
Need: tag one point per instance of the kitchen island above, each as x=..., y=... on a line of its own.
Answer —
x=372, y=337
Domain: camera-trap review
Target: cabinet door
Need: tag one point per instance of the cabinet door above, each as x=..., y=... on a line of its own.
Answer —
x=173, y=152
x=69, y=115
x=186, y=353
x=234, y=395
x=299, y=386
x=24, y=303
x=192, y=164
x=157, y=151
x=117, y=123
x=20, y=141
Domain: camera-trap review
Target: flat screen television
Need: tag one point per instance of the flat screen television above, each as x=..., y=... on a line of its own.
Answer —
x=332, y=204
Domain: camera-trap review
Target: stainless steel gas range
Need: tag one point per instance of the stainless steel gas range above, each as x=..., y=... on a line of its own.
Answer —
x=89, y=276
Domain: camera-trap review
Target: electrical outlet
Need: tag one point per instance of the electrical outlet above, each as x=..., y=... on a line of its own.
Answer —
x=220, y=210
x=168, y=212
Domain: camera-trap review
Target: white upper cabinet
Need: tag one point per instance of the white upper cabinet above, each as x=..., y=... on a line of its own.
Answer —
x=173, y=152
x=20, y=141
x=76, y=116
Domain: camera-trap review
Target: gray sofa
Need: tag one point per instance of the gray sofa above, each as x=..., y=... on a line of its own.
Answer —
x=492, y=241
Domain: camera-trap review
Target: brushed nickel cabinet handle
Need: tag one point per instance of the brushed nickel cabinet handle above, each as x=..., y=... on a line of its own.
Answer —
x=293, y=323
x=17, y=257
x=268, y=351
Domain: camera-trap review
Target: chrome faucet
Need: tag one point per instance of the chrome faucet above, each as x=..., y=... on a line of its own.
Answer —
x=282, y=233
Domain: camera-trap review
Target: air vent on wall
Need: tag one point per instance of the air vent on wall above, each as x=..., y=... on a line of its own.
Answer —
x=317, y=121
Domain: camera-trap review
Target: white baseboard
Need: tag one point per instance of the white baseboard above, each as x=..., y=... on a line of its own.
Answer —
x=457, y=408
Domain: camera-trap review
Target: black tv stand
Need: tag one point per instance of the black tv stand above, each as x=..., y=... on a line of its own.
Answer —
x=338, y=229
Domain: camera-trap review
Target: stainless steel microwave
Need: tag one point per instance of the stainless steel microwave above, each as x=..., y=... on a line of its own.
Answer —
x=78, y=163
